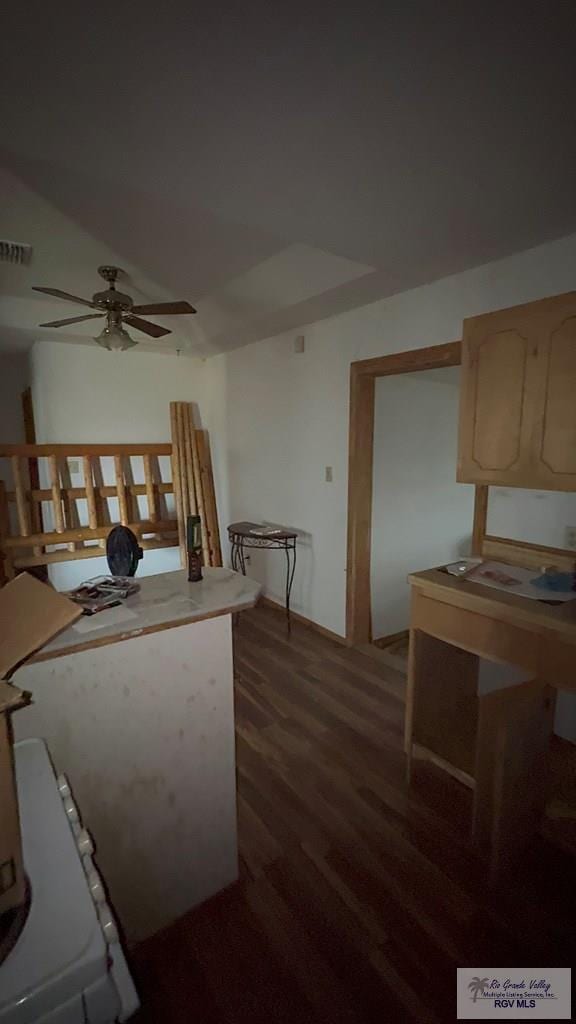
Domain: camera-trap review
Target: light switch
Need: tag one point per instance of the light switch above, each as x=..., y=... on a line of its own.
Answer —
x=299, y=344
x=328, y=474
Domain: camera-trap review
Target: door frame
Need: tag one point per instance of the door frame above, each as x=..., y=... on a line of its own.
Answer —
x=363, y=374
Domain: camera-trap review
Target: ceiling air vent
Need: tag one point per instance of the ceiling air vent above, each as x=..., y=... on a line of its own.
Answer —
x=15, y=252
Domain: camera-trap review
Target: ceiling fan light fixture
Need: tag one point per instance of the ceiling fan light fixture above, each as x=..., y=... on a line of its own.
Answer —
x=115, y=339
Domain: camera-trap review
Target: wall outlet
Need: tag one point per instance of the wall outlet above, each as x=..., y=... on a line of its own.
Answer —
x=571, y=537
x=328, y=474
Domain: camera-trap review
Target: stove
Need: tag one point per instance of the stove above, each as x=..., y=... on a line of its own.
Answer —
x=67, y=965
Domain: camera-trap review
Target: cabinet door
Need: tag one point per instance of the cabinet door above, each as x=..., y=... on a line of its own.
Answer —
x=497, y=356
x=518, y=396
x=554, y=454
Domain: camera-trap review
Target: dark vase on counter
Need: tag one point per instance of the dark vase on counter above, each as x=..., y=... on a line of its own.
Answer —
x=194, y=547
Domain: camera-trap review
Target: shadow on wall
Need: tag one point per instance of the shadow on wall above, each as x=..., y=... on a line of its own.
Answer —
x=14, y=379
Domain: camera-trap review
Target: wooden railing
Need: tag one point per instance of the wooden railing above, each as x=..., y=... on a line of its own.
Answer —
x=25, y=509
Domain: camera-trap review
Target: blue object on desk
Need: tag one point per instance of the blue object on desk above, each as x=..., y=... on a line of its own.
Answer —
x=560, y=582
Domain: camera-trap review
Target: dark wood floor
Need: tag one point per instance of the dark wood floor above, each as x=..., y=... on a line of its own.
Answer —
x=358, y=898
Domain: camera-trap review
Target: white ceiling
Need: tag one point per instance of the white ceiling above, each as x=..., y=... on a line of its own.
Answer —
x=275, y=164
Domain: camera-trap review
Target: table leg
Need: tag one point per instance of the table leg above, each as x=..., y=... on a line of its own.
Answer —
x=290, y=570
x=242, y=558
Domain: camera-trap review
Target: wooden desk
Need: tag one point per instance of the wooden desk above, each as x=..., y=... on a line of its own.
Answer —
x=497, y=742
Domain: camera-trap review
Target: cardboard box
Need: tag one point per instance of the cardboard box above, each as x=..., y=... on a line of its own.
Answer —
x=31, y=613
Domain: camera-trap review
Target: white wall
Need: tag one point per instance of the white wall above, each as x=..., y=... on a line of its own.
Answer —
x=287, y=414
x=86, y=394
x=421, y=517
x=537, y=517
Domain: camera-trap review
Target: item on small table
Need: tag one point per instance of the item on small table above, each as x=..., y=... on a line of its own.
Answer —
x=496, y=575
x=102, y=592
x=194, y=547
x=555, y=580
x=464, y=567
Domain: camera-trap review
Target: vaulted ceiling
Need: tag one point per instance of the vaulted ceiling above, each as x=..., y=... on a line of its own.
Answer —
x=277, y=163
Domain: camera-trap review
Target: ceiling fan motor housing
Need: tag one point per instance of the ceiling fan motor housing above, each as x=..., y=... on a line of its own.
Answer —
x=111, y=299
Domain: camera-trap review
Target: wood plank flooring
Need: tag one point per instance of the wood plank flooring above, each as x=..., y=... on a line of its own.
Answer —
x=357, y=898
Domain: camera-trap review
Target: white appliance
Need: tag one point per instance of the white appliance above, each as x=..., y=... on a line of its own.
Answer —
x=68, y=966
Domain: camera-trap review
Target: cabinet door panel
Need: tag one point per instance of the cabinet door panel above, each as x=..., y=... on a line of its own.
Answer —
x=500, y=374
x=558, y=447
x=518, y=396
x=495, y=362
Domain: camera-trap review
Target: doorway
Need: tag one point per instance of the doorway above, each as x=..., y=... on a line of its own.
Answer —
x=421, y=516
x=363, y=375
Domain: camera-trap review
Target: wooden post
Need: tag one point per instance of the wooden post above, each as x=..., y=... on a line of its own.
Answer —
x=89, y=488
x=70, y=507
x=21, y=503
x=150, y=492
x=176, y=481
x=56, y=494
x=190, y=482
x=360, y=456
x=102, y=508
x=209, y=495
x=121, y=490
x=33, y=471
x=131, y=495
x=180, y=413
x=200, y=499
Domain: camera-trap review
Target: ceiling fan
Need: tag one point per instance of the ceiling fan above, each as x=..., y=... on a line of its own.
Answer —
x=118, y=309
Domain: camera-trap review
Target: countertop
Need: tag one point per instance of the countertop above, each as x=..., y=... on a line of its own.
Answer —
x=539, y=616
x=163, y=602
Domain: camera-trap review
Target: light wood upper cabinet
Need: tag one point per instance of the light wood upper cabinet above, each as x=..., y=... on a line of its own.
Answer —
x=518, y=396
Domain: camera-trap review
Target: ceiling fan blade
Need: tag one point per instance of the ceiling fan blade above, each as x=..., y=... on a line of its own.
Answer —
x=72, y=320
x=154, y=330
x=63, y=295
x=164, y=308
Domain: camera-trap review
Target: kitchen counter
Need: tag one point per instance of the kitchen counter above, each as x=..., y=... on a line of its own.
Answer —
x=136, y=705
x=163, y=601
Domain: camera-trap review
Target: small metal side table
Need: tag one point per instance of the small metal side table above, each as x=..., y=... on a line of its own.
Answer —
x=250, y=535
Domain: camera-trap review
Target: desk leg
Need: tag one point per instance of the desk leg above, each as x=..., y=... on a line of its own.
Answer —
x=409, y=709
x=514, y=729
x=441, y=705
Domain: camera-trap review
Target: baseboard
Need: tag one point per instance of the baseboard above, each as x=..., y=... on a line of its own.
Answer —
x=392, y=638
x=297, y=617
